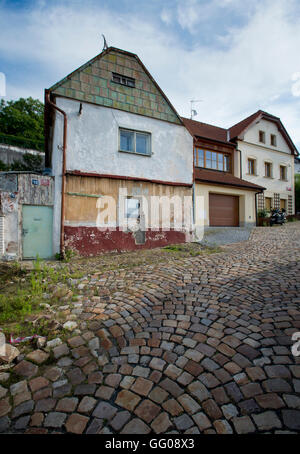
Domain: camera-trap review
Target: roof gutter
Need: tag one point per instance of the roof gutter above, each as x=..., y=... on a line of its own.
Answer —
x=63, y=185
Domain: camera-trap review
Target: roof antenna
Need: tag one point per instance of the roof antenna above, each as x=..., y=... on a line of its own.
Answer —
x=193, y=111
x=105, y=46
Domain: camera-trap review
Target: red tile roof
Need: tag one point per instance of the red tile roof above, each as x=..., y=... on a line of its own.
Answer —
x=196, y=128
x=223, y=178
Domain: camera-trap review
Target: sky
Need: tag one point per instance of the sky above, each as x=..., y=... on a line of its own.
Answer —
x=234, y=56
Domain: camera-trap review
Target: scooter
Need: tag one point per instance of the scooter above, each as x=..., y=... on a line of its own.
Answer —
x=278, y=217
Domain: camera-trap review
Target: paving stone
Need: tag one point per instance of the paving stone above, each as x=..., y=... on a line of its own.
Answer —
x=147, y=410
x=136, y=426
x=3, y=392
x=37, y=419
x=53, y=373
x=172, y=407
x=171, y=387
x=120, y=420
x=256, y=373
x=62, y=391
x=95, y=426
x=104, y=392
x=202, y=421
x=292, y=401
x=157, y=363
x=38, y=356
x=270, y=400
x=291, y=419
x=75, y=376
x=267, y=421
x=243, y=425
x=61, y=350
x=142, y=386
x=67, y=405
x=4, y=424
x=104, y=411
x=38, y=383
x=188, y=403
x=278, y=371
x=76, y=423
x=248, y=407
x=127, y=399
x=5, y=406
x=251, y=389
x=55, y=419
x=25, y=369
x=199, y=391
x=23, y=409
x=276, y=385
x=222, y=427
x=158, y=395
x=22, y=422
x=211, y=409
x=20, y=387
x=45, y=405
x=229, y=411
x=233, y=391
x=161, y=424
x=183, y=422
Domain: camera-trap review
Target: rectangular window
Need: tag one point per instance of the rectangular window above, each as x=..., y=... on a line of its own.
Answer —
x=135, y=142
x=268, y=169
x=123, y=80
x=262, y=136
x=199, y=157
x=251, y=166
x=273, y=140
x=132, y=208
x=212, y=160
x=283, y=173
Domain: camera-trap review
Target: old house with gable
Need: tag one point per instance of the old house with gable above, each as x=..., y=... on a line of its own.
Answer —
x=109, y=127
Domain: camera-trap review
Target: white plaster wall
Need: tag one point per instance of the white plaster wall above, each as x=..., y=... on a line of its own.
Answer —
x=279, y=155
x=92, y=146
x=93, y=139
x=252, y=136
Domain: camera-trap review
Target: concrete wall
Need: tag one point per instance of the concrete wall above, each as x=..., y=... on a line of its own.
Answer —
x=246, y=203
x=277, y=156
x=10, y=153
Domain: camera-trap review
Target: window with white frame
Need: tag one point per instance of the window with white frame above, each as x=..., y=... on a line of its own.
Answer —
x=135, y=142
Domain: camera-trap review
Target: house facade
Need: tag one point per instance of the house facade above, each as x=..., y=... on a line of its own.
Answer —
x=222, y=198
x=119, y=152
x=266, y=157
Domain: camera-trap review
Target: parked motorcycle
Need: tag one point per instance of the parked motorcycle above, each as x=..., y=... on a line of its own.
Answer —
x=278, y=217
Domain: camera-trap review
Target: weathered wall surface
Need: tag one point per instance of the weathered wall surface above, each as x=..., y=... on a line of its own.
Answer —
x=88, y=235
x=16, y=190
x=93, y=144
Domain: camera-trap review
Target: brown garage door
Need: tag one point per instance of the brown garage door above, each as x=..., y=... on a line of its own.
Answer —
x=223, y=210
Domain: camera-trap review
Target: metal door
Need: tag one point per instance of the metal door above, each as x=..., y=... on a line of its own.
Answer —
x=37, y=231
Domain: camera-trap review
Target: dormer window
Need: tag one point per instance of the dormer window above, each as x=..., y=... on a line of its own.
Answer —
x=262, y=136
x=273, y=140
x=123, y=80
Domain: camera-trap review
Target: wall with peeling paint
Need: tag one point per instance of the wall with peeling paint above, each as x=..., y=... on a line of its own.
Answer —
x=17, y=189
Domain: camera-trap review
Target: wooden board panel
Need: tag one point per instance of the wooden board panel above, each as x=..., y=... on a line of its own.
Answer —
x=223, y=210
x=83, y=192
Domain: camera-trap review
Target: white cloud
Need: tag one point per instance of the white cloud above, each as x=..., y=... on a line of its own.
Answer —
x=252, y=71
x=296, y=85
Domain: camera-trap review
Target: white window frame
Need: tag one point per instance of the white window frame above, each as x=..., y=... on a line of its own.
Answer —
x=135, y=132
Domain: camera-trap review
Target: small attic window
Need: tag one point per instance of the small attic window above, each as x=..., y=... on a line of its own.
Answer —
x=123, y=80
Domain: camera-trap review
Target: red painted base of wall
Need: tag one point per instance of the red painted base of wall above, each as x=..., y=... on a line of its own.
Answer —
x=89, y=241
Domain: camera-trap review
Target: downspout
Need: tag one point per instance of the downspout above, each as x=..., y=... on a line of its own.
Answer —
x=63, y=184
x=193, y=194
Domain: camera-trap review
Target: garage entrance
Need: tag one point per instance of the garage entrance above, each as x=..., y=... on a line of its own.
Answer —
x=223, y=210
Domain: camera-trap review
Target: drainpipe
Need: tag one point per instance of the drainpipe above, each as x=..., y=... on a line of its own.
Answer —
x=62, y=216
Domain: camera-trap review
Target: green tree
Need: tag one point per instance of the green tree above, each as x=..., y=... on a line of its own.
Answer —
x=23, y=120
x=297, y=192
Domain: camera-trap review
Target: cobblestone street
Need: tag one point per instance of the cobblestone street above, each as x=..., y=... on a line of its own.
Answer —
x=199, y=345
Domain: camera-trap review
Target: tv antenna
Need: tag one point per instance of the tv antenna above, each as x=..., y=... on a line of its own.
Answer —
x=193, y=111
x=105, y=46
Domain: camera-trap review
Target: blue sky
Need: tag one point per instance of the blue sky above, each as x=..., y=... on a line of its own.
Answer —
x=237, y=56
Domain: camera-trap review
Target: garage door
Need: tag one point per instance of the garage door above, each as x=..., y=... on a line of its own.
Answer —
x=223, y=210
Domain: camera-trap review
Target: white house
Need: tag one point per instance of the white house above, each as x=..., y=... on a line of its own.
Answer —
x=114, y=141
x=266, y=157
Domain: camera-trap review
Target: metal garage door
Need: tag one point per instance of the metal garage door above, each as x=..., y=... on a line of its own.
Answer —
x=223, y=210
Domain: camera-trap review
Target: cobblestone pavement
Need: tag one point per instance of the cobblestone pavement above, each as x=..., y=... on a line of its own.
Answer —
x=202, y=345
